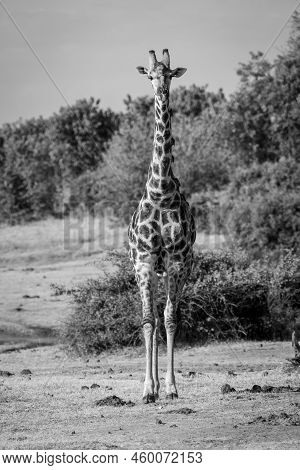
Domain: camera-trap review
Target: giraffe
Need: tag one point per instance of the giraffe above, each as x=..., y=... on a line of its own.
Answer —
x=161, y=233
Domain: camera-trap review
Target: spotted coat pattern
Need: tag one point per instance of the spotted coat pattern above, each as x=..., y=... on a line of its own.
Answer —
x=162, y=228
x=161, y=234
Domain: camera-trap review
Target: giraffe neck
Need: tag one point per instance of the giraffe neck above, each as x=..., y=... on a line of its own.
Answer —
x=160, y=176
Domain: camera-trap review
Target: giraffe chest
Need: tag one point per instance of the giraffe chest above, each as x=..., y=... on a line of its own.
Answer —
x=155, y=231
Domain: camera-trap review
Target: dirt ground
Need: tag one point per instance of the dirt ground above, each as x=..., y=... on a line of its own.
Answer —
x=55, y=406
x=30, y=313
x=50, y=399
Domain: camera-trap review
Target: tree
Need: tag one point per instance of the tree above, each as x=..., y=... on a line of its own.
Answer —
x=127, y=158
x=191, y=102
x=26, y=182
x=264, y=112
x=40, y=158
x=262, y=207
x=79, y=135
x=286, y=103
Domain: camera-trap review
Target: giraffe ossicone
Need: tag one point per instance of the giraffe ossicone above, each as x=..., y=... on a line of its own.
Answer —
x=161, y=233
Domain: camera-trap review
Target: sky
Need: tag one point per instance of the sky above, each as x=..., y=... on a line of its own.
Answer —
x=92, y=47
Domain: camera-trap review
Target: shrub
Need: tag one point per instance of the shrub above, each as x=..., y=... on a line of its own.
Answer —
x=107, y=311
x=283, y=295
x=262, y=206
x=226, y=297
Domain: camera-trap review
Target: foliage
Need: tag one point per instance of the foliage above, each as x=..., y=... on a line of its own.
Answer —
x=88, y=192
x=227, y=297
x=41, y=157
x=250, y=131
x=264, y=113
x=193, y=101
x=79, y=134
x=286, y=110
x=27, y=182
x=237, y=158
x=127, y=159
x=262, y=207
x=107, y=311
x=200, y=161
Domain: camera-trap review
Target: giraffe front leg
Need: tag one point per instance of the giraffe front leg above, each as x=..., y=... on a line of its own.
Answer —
x=147, y=285
x=155, y=359
x=175, y=281
x=170, y=325
x=148, y=394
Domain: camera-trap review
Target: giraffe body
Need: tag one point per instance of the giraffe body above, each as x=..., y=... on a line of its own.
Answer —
x=161, y=234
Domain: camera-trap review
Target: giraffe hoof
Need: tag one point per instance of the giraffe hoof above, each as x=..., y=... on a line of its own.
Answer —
x=156, y=396
x=171, y=396
x=149, y=398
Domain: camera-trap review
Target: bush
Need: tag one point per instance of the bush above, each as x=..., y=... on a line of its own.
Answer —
x=226, y=297
x=107, y=311
x=262, y=206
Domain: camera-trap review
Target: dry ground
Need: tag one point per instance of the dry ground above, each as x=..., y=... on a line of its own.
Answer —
x=48, y=408
x=35, y=255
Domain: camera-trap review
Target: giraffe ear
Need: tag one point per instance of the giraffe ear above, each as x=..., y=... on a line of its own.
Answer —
x=142, y=70
x=177, y=73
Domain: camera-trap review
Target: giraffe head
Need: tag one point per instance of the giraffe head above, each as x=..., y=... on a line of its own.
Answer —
x=161, y=74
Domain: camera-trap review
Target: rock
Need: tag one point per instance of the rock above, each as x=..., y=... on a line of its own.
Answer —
x=181, y=411
x=73, y=432
x=173, y=426
x=5, y=373
x=278, y=419
x=256, y=389
x=226, y=388
x=84, y=387
x=26, y=372
x=231, y=372
x=110, y=371
x=267, y=389
x=191, y=373
x=159, y=421
x=113, y=400
x=265, y=373
x=95, y=386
